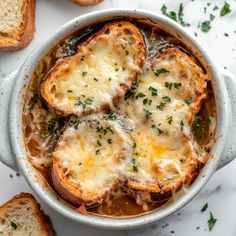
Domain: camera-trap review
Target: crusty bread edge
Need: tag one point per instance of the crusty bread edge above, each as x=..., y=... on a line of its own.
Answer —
x=27, y=31
x=44, y=220
x=70, y=191
x=87, y=2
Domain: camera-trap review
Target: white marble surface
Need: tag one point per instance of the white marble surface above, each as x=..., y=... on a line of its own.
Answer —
x=220, y=192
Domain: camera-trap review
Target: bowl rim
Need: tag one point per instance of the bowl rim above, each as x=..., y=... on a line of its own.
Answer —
x=16, y=132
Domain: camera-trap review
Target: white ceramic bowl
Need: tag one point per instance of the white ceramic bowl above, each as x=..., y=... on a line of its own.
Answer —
x=13, y=88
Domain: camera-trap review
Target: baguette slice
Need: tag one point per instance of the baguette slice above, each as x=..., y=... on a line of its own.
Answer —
x=89, y=159
x=167, y=99
x=87, y=2
x=17, y=24
x=22, y=215
x=103, y=69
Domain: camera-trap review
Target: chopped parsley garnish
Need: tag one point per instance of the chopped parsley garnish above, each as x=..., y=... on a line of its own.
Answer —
x=84, y=73
x=109, y=79
x=206, y=26
x=99, y=143
x=226, y=35
x=198, y=138
x=153, y=91
x=211, y=221
x=140, y=95
x=44, y=136
x=188, y=101
x=126, y=52
x=134, y=165
x=52, y=128
x=85, y=103
x=82, y=58
x=225, y=9
x=159, y=130
x=172, y=15
x=160, y=71
x=215, y=8
x=177, y=85
x=169, y=119
x=204, y=207
x=147, y=101
x=168, y=85
x=95, y=79
x=104, y=130
x=212, y=17
x=166, y=98
x=109, y=141
x=181, y=14
x=131, y=91
x=97, y=151
x=161, y=106
x=112, y=116
x=147, y=114
x=181, y=124
x=69, y=91
x=13, y=225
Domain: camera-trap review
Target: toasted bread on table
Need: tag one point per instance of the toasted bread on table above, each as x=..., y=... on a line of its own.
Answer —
x=17, y=24
x=23, y=216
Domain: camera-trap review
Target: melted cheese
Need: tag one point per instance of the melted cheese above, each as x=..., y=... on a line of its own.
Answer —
x=95, y=74
x=163, y=108
x=93, y=153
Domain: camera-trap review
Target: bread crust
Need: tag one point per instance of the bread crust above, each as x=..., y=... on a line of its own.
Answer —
x=46, y=226
x=62, y=65
x=87, y=2
x=71, y=192
x=24, y=33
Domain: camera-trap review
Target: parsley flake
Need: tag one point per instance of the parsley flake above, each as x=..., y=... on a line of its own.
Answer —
x=161, y=71
x=84, y=103
x=204, y=208
x=13, y=225
x=225, y=9
x=140, y=95
x=134, y=164
x=84, y=73
x=211, y=221
x=153, y=91
x=169, y=119
x=147, y=114
x=188, y=101
x=206, y=26
x=166, y=99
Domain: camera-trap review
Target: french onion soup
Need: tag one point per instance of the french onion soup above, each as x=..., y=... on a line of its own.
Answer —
x=119, y=118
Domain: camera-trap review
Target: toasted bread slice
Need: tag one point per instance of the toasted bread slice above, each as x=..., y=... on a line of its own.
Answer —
x=103, y=69
x=22, y=215
x=87, y=2
x=167, y=99
x=88, y=160
x=17, y=24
